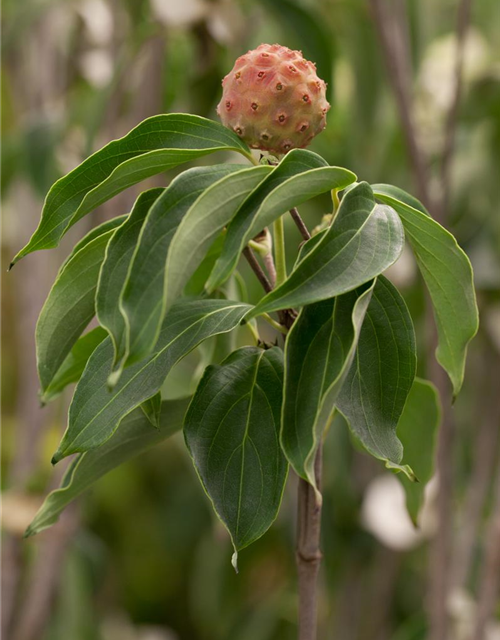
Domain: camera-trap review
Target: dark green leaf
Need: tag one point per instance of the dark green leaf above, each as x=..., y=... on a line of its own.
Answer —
x=152, y=409
x=381, y=376
x=70, y=306
x=134, y=437
x=213, y=210
x=447, y=272
x=155, y=145
x=142, y=299
x=364, y=239
x=74, y=363
x=115, y=268
x=417, y=430
x=232, y=433
x=96, y=412
x=300, y=176
x=319, y=351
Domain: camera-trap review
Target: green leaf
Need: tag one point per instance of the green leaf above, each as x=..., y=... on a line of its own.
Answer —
x=364, y=240
x=74, y=363
x=232, y=433
x=152, y=409
x=96, y=412
x=115, y=268
x=300, y=176
x=447, y=272
x=380, y=378
x=155, y=145
x=206, y=218
x=417, y=430
x=134, y=437
x=142, y=301
x=70, y=306
x=319, y=351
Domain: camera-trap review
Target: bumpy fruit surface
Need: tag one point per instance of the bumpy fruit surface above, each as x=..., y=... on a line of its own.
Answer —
x=273, y=99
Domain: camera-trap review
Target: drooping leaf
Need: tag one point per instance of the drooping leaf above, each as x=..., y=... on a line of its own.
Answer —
x=364, y=240
x=142, y=300
x=74, y=363
x=93, y=233
x=96, y=412
x=116, y=266
x=206, y=218
x=300, y=176
x=155, y=145
x=319, y=351
x=447, y=272
x=134, y=437
x=417, y=430
x=375, y=390
x=232, y=433
x=152, y=409
x=69, y=307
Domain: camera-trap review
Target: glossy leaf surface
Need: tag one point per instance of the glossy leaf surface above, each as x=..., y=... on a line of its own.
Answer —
x=232, y=432
x=204, y=221
x=319, y=351
x=374, y=393
x=300, y=176
x=159, y=143
x=363, y=241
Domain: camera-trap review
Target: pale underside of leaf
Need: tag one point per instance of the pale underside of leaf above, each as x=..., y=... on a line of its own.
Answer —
x=96, y=412
x=447, y=272
x=377, y=385
x=133, y=438
x=142, y=301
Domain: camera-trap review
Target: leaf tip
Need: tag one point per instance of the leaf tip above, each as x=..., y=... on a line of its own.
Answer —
x=113, y=378
x=30, y=531
x=57, y=457
x=234, y=561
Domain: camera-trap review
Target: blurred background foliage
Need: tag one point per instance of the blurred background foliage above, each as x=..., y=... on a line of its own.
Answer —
x=142, y=557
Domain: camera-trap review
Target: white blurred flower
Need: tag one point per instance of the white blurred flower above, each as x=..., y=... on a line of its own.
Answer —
x=179, y=12
x=96, y=67
x=384, y=514
x=98, y=20
x=404, y=271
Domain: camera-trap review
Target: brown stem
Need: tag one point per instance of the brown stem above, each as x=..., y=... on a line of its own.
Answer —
x=308, y=553
x=257, y=269
x=271, y=269
x=300, y=223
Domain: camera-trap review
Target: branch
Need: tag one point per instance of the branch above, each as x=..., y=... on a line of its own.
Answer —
x=308, y=552
x=395, y=51
x=463, y=22
x=300, y=223
x=257, y=269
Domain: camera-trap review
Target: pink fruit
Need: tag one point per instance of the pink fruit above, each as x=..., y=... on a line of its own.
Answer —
x=273, y=99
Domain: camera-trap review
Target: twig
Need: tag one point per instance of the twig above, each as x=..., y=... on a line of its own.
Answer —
x=386, y=24
x=300, y=223
x=463, y=22
x=489, y=581
x=308, y=553
x=257, y=269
